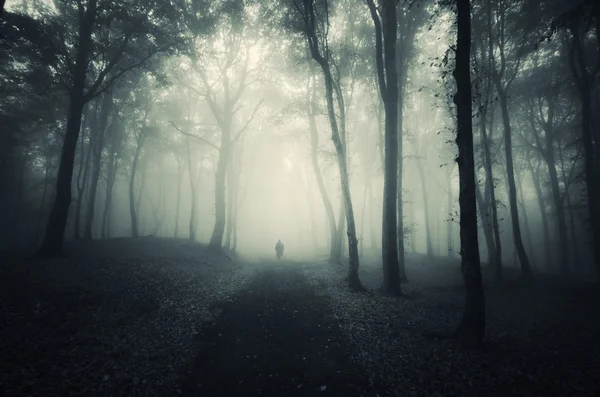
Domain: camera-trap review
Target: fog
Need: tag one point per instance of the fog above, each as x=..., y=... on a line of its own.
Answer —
x=224, y=129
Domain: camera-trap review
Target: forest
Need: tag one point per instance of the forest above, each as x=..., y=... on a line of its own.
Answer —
x=408, y=154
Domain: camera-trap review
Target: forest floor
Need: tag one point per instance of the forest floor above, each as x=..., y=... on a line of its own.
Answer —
x=161, y=317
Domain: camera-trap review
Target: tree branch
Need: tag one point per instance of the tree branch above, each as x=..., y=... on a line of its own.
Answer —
x=194, y=136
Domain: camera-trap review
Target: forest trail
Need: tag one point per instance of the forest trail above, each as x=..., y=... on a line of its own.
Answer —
x=275, y=337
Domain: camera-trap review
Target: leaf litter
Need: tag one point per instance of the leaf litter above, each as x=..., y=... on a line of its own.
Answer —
x=110, y=321
x=537, y=342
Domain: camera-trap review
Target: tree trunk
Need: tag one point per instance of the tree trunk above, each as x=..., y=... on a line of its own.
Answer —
x=535, y=175
x=472, y=326
x=314, y=148
x=486, y=225
x=338, y=138
x=55, y=228
x=192, y=174
x=134, y=224
x=336, y=249
x=560, y=213
x=216, y=239
x=583, y=80
x=521, y=203
x=372, y=232
x=178, y=203
x=97, y=135
x=425, y=208
x=81, y=187
x=386, y=39
x=489, y=178
x=526, y=272
x=450, y=223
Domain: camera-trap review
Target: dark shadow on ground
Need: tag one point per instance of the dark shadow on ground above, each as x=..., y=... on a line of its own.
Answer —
x=275, y=338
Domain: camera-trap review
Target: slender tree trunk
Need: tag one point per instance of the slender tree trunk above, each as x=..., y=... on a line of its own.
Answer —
x=55, y=228
x=526, y=272
x=386, y=39
x=362, y=220
x=450, y=223
x=472, y=326
x=216, y=239
x=178, y=203
x=314, y=148
x=569, y=204
x=81, y=187
x=193, y=203
x=486, y=225
x=535, y=175
x=399, y=187
x=107, y=206
x=521, y=203
x=39, y=229
x=97, y=139
x=336, y=250
x=134, y=224
x=426, y=209
x=372, y=233
x=140, y=194
x=496, y=263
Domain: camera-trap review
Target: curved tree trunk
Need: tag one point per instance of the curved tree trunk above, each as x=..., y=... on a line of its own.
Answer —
x=314, y=149
x=526, y=272
x=55, y=228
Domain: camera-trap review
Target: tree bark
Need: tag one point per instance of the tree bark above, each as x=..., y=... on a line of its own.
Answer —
x=178, y=203
x=471, y=330
x=488, y=233
x=193, y=203
x=134, y=224
x=338, y=138
x=97, y=139
x=314, y=148
x=496, y=262
x=535, y=175
x=583, y=80
x=55, y=228
x=386, y=32
x=81, y=184
x=425, y=208
x=526, y=272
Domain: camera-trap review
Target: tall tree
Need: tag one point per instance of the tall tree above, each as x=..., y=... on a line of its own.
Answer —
x=472, y=326
x=385, y=56
x=507, y=43
x=581, y=18
x=130, y=45
x=315, y=26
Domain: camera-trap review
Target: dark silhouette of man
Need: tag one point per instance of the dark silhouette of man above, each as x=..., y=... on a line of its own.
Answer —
x=279, y=249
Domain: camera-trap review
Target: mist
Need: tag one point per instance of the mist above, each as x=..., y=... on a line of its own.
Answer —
x=438, y=143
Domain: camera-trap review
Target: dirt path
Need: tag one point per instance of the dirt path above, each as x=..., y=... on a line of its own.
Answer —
x=275, y=338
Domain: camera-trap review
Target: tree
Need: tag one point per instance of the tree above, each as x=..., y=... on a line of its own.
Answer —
x=506, y=52
x=103, y=52
x=472, y=326
x=314, y=17
x=385, y=56
x=580, y=18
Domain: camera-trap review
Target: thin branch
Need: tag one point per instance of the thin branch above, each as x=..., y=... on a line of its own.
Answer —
x=248, y=121
x=194, y=136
